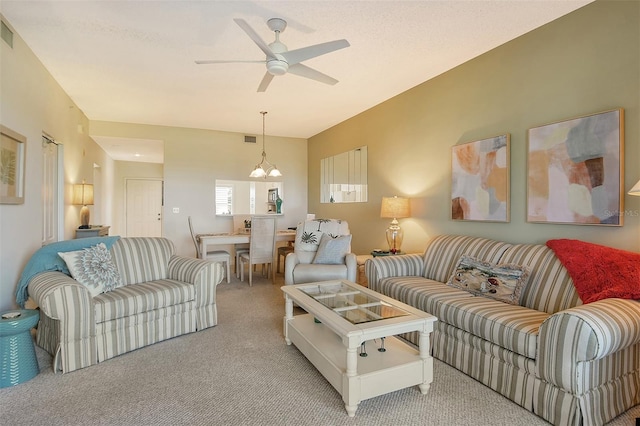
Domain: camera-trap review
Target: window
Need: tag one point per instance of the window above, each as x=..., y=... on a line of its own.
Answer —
x=224, y=199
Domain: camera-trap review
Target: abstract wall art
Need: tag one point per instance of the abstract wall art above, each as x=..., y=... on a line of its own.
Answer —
x=574, y=170
x=480, y=180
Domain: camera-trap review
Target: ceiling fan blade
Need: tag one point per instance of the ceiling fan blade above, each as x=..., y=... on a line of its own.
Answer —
x=255, y=37
x=298, y=55
x=265, y=82
x=227, y=62
x=305, y=71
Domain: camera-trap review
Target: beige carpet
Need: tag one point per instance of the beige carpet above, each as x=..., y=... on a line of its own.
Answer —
x=241, y=372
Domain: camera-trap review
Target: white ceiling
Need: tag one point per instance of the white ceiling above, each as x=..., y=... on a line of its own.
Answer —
x=133, y=61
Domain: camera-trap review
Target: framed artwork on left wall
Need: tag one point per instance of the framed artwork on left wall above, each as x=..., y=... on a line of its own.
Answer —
x=480, y=180
x=12, y=162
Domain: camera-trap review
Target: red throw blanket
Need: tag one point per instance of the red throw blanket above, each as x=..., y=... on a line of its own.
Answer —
x=599, y=272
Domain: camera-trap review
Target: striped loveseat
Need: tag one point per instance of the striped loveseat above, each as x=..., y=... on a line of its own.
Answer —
x=163, y=296
x=567, y=362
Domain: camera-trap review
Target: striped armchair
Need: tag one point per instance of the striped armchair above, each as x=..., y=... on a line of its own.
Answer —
x=163, y=296
x=569, y=363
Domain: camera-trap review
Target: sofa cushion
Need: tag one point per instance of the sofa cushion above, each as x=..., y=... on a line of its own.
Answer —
x=142, y=259
x=512, y=327
x=419, y=292
x=550, y=288
x=332, y=251
x=309, y=233
x=305, y=272
x=502, y=282
x=93, y=268
x=138, y=298
x=443, y=252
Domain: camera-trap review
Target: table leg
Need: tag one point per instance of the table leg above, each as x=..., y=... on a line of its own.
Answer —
x=351, y=396
x=423, y=345
x=288, y=315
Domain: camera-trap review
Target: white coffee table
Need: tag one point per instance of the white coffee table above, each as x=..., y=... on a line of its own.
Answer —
x=342, y=316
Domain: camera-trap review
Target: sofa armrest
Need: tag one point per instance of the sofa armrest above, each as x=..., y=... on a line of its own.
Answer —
x=290, y=263
x=204, y=274
x=393, y=266
x=570, y=339
x=351, y=260
x=69, y=305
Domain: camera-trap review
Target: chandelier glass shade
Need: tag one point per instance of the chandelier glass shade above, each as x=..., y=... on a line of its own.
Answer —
x=264, y=168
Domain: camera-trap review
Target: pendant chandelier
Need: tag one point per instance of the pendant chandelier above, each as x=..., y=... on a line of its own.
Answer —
x=264, y=169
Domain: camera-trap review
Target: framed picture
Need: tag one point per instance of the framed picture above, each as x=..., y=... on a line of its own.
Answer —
x=480, y=180
x=575, y=170
x=12, y=153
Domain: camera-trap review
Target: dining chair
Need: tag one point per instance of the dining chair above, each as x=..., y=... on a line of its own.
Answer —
x=213, y=255
x=238, y=226
x=283, y=251
x=262, y=244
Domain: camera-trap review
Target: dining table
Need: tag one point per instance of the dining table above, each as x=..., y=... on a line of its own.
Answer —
x=227, y=238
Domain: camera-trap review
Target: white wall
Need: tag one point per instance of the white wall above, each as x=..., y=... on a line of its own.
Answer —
x=585, y=62
x=31, y=102
x=195, y=158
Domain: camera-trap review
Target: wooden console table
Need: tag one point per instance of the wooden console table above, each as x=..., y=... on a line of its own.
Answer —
x=94, y=231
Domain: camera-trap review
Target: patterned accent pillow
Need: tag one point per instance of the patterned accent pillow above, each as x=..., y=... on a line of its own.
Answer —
x=93, y=268
x=332, y=251
x=502, y=282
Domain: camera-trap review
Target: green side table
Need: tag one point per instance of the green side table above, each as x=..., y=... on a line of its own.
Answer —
x=18, y=362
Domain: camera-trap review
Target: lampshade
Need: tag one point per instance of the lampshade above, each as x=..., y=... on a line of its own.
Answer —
x=83, y=194
x=264, y=169
x=395, y=207
x=635, y=190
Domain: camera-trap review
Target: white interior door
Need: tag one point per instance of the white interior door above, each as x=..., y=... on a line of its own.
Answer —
x=52, y=192
x=144, y=208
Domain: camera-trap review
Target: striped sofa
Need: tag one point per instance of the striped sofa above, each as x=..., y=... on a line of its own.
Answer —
x=163, y=296
x=567, y=362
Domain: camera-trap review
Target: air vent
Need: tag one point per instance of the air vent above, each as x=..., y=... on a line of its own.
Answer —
x=7, y=34
x=250, y=139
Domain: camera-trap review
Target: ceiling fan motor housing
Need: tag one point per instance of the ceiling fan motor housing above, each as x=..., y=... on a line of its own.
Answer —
x=277, y=66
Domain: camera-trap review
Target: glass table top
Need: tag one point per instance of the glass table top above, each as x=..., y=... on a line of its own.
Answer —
x=352, y=304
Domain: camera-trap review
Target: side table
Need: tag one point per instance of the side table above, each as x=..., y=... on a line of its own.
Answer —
x=377, y=253
x=18, y=362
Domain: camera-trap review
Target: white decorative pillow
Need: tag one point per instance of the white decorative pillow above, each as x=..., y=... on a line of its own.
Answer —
x=93, y=268
x=332, y=251
x=502, y=282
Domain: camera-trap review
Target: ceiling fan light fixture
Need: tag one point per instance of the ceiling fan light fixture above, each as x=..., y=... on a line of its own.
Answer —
x=264, y=169
x=279, y=60
x=277, y=67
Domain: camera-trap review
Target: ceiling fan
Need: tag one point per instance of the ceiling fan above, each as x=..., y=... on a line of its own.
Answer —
x=280, y=60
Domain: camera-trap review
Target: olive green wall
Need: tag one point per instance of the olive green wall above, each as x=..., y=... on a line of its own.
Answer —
x=585, y=62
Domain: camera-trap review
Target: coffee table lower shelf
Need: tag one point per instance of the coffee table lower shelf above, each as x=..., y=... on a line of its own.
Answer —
x=399, y=367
